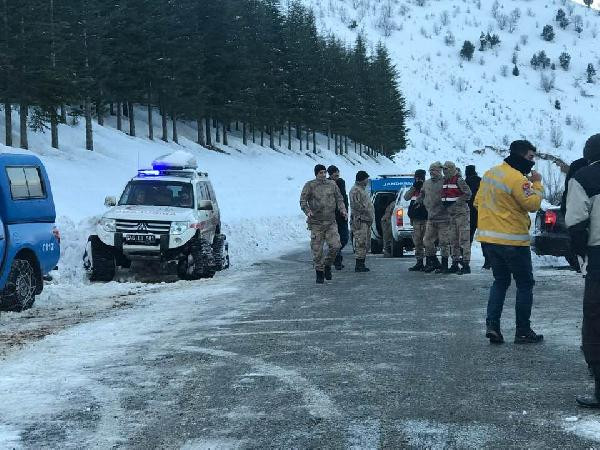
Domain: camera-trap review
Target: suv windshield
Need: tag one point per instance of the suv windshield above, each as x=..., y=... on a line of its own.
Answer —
x=158, y=193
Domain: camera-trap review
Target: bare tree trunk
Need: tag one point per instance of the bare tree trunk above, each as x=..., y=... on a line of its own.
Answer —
x=280, y=134
x=314, y=141
x=150, y=121
x=200, y=129
x=271, y=138
x=237, y=126
x=253, y=130
x=125, y=109
x=131, y=120
x=89, y=138
x=217, y=131
x=228, y=127
x=328, y=139
x=335, y=144
x=244, y=134
x=175, y=136
x=164, y=124
x=299, y=135
x=23, y=110
x=346, y=145
x=99, y=113
x=119, y=117
x=214, y=123
x=54, y=127
x=8, y=124
x=289, y=135
x=360, y=149
x=225, y=129
x=63, y=114
x=262, y=136
x=111, y=108
x=354, y=146
x=208, y=133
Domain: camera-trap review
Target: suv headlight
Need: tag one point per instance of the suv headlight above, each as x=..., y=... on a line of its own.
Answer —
x=179, y=227
x=108, y=225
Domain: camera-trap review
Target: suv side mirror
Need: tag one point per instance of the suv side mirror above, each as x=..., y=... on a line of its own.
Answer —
x=110, y=201
x=205, y=205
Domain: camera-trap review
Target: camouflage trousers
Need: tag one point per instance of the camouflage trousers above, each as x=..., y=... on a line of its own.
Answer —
x=319, y=235
x=361, y=235
x=386, y=231
x=460, y=238
x=418, y=235
x=437, y=231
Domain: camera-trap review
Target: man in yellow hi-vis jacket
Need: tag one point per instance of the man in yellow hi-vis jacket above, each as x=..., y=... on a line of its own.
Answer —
x=506, y=197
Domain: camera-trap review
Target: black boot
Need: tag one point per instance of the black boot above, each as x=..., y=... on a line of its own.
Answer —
x=327, y=272
x=592, y=401
x=444, y=266
x=431, y=263
x=454, y=267
x=418, y=267
x=492, y=332
x=466, y=269
x=338, y=261
x=320, y=277
x=360, y=266
x=527, y=336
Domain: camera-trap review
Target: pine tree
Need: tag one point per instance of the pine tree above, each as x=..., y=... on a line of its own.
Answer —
x=564, y=60
x=591, y=73
x=467, y=50
x=548, y=33
x=515, y=71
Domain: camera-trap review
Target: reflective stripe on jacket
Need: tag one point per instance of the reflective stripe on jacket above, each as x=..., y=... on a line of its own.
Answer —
x=503, y=203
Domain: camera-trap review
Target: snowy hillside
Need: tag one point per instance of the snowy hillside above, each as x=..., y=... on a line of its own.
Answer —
x=459, y=106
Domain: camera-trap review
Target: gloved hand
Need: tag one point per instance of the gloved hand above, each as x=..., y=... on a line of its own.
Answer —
x=418, y=184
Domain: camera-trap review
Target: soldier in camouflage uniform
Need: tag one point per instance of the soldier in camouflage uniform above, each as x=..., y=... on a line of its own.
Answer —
x=386, y=229
x=418, y=219
x=438, y=220
x=455, y=196
x=319, y=199
x=362, y=216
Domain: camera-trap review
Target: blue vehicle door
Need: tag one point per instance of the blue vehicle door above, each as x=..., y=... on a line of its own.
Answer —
x=2, y=242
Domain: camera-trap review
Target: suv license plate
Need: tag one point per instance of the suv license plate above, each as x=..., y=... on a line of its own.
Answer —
x=140, y=238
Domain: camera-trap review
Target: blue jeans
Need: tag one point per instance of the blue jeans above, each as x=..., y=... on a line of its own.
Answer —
x=507, y=260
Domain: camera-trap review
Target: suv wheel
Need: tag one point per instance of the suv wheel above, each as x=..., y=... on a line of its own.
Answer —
x=99, y=260
x=19, y=292
x=199, y=263
x=221, y=252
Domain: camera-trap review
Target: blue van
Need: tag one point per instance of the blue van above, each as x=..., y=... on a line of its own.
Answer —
x=29, y=239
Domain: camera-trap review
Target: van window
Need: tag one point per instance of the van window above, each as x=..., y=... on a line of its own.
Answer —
x=25, y=183
x=203, y=193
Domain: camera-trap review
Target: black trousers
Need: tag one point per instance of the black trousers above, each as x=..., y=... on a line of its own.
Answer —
x=591, y=320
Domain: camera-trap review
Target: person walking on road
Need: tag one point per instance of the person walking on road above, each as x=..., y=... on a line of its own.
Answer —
x=362, y=216
x=437, y=220
x=386, y=229
x=473, y=181
x=583, y=222
x=455, y=195
x=319, y=200
x=417, y=213
x=506, y=197
x=342, y=221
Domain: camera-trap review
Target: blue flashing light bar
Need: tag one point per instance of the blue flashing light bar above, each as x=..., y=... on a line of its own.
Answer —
x=148, y=173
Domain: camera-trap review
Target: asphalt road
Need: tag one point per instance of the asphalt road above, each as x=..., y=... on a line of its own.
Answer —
x=388, y=359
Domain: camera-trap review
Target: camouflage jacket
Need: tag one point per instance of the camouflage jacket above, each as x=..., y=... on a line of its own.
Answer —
x=387, y=215
x=431, y=197
x=361, y=207
x=321, y=198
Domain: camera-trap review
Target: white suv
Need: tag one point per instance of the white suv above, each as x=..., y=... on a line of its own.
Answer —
x=168, y=214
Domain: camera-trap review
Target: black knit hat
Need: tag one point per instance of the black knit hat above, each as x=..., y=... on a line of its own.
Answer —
x=361, y=175
x=420, y=173
x=332, y=169
x=319, y=167
x=591, y=151
x=470, y=170
x=521, y=147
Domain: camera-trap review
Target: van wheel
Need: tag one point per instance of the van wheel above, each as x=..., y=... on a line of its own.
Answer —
x=199, y=263
x=221, y=252
x=19, y=292
x=99, y=260
x=397, y=249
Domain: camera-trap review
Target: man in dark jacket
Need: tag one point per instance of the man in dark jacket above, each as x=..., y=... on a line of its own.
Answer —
x=473, y=181
x=573, y=168
x=583, y=221
x=418, y=219
x=342, y=221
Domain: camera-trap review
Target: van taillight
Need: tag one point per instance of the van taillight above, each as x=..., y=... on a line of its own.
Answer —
x=56, y=233
x=400, y=217
x=550, y=218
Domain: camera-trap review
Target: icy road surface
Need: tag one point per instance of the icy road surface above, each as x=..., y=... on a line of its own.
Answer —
x=266, y=358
